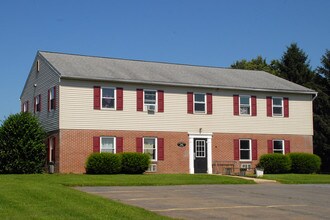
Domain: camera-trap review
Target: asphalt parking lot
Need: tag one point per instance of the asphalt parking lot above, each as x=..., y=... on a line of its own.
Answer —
x=258, y=201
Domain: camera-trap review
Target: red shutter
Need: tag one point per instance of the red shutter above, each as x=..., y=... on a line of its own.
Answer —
x=287, y=146
x=270, y=146
x=160, y=145
x=54, y=147
x=236, y=149
x=96, y=144
x=254, y=150
x=254, y=105
x=54, y=97
x=160, y=101
x=190, y=103
x=286, y=107
x=49, y=100
x=119, y=144
x=120, y=99
x=209, y=103
x=236, y=104
x=48, y=149
x=40, y=102
x=139, y=99
x=139, y=145
x=97, y=97
x=269, y=106
x=35, y=106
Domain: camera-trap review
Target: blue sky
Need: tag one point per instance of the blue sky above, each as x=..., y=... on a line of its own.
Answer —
x=204, y=32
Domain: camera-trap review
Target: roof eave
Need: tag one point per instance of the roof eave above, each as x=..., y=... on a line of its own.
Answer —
x=192, y=85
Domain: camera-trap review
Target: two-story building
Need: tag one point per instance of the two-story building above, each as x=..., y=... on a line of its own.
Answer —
x=190, y=119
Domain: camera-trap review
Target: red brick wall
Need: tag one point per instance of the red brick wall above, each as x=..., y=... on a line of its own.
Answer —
x=76, y=145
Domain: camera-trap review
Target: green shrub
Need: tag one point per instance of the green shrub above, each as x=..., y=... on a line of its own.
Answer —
x=304, y=163
x=275, y=163
x=103, y=163
x=135, y=163
x=22, y=144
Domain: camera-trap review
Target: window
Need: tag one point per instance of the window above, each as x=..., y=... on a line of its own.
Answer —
x=199, y=102
x=150, y=98
x=245, y=149
x=26, y=106
x=108, y=98
x=108, y=145
x=37, y=104
x=150, y=147
x=52, y=99
x=277, y=106
x=245, y=105
x=278, y=146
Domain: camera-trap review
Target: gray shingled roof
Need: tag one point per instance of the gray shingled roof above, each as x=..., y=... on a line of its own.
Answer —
x=121, y=70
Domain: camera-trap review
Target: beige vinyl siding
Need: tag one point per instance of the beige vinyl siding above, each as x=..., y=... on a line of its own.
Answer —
x=44, y=80
x=77, y=112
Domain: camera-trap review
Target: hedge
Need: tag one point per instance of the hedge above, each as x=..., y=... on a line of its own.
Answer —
x=126, y=163
x=103, y=163
x=275, y=163
x=304, y=163
x=135, y=163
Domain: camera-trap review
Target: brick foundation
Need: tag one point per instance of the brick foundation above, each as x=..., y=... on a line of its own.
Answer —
x=74, y=146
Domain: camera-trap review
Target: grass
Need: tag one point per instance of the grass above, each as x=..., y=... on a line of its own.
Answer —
x=299, y=178
x=47, y=196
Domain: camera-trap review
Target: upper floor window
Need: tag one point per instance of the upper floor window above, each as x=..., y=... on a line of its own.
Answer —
x=278, y=146
x=150, y=147
x=199, y=102
x=277, y=106
x=52, y=99
x=37, y=103
x=108, y=145
x=108, y=98
x=245, y=105
x=150, y=97
x=25, y=107
x=245, y=149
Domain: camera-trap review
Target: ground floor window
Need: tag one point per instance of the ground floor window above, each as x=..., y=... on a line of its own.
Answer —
x=278, y=146
x=150, y=147
x=108, y=145
x=245, y=149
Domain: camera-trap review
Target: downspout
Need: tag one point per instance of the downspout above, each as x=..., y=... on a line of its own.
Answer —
x=314, y=96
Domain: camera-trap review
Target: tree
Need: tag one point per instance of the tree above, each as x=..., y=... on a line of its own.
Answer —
x=22, y=147
x=258, y=63
x=294, y=65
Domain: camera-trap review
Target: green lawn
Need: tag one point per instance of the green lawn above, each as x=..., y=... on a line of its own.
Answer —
x=299, y=178
x=47, y=196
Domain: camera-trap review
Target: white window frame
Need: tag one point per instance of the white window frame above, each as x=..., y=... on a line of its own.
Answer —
x=283, y=146
x=51, y=98
x=156, y=147
x=282, y=106
x=37, y=100
x=145, y=106
x=244, y=105
x=25, y=106
x=115, y=98
x=250, y=149
x=114, y=143
x=198, y=102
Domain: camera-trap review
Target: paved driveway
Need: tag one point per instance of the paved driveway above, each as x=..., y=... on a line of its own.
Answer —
x=260, y=201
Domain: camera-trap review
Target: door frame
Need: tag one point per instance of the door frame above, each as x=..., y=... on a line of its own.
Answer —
x=207, y=136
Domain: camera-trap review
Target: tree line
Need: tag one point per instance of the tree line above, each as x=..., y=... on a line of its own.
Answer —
x=294, y=66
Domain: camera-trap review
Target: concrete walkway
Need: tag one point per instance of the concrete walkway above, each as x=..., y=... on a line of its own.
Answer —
x=257, y=180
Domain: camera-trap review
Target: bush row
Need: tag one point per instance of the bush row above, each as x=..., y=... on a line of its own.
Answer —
x=126, y=163
x=293, y=162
